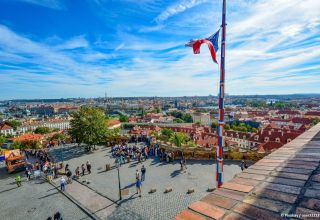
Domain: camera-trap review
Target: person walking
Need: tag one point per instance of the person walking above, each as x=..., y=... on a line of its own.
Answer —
x=27, y=173
x=77, y=171
x=83, y=169
x=66, y=168
x=137, y=174
x=143, y=173
x=57, y=216
x=18, y=180
x=62, y=184
x=138, y=186
x=243, y=165
x=88, y=167
x=69, y=175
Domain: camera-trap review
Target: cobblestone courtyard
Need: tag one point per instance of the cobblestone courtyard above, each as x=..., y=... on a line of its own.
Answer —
x=35, y=199
x=159, y=175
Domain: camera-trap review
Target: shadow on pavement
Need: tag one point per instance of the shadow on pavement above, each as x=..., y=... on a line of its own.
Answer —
x=175, y=173
x=8, y=190
x=48, y=195
x=69, y=152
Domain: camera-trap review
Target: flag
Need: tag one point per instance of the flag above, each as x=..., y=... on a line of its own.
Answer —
x=212, y=43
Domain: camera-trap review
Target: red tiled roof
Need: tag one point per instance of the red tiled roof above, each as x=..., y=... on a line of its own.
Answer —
x=113, y=122
x=269, y=146
x=313, y=113
x=288, y=112
x=280, y=119
x=29, y=137
x=237, y=134
x=5, y=127
x=301, y=120
x=281, y=135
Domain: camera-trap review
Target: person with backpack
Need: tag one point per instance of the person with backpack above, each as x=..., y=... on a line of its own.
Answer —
x=138, y=183
x=18, y=180
x=83, y=169
x=143, y=173
x=88, y=167
x=69, y=174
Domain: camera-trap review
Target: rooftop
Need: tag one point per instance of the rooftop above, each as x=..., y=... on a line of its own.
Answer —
x=284, y=183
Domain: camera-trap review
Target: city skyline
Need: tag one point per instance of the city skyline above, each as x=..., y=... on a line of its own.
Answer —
x=55, y=49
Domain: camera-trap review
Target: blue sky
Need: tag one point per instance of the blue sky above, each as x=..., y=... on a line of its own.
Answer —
x=84, y=48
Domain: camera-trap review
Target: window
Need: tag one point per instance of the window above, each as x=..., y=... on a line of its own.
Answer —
x=288, y=140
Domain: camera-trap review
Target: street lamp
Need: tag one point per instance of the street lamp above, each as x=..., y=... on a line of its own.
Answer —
x=61, y=149
x=118, y=168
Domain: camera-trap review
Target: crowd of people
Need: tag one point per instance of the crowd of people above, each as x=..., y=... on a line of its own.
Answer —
x=70, y=176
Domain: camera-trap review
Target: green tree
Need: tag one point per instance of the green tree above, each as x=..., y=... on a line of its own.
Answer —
x=179, y=138
x=42, y=130
x=191, y=144
x=315, y=121
x=127, y=126
x=123, y=118
x=214, y=125
x=58, y=136
x=187, y=118
x=142, y=112
x=30, y=144
x=3, y=140
x=88, y=125
x=178, y=120
x=16, y=145
x=13, y=123
x=167, y=132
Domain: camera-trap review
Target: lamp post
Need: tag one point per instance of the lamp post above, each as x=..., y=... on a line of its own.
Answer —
x=61, y=148
x=118, y=169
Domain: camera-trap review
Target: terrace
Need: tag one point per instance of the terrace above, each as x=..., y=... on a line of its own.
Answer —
x=285, y=183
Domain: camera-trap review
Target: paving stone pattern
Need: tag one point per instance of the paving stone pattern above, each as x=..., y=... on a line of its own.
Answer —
x=34, y=200
x=284, y=184
x=200, y=175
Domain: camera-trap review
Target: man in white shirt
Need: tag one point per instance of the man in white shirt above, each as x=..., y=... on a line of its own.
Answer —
x=62, y=183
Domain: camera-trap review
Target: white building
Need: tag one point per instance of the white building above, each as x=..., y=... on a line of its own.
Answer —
x=6, y=130
x=61, y=124
x=202, y=118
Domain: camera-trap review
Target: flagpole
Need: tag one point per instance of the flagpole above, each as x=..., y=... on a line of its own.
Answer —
x=219, y=161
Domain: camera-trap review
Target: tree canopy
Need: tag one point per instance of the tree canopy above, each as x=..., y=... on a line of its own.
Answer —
x=179, y=138
x=59, y=136
x=13, y=123
x=167, y=132
x=178, y=120
x=123, y=118
x=88, y=125
x=42, y=130
x=184, y=117
x=3, y=140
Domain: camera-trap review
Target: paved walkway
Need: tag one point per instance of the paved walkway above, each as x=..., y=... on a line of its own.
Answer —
x=96, y=203
x=160, y=175
x=285, y=184
x=35, y=199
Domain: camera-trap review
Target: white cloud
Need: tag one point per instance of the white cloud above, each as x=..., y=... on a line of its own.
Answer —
x=74, y=43
x=53, y=4
x=182, y=6
x=272, y=47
